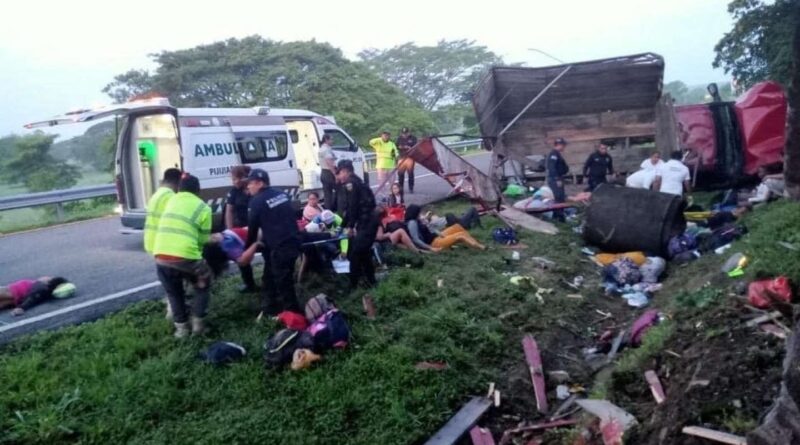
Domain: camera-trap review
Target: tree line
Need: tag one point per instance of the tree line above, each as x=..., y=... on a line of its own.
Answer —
x=427, y=88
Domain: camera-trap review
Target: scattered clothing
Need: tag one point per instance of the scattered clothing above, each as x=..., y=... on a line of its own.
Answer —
x=622, y=271
x=607, y=258
x=652, y=269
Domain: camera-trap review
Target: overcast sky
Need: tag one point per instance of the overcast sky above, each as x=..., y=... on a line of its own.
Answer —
x=57, y=56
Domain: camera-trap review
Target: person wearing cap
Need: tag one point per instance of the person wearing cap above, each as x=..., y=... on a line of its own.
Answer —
x=405, y=142
x=183, y=230
x=332, y=222
x=556, y=170
x=385, y=156
x=597, y=166
x=359, y=219
x=271, y=211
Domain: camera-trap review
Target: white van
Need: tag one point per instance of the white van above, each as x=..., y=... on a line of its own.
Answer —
x=207, y=142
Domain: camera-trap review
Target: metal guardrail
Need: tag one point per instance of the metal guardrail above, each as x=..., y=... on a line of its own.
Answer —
x=57, y=197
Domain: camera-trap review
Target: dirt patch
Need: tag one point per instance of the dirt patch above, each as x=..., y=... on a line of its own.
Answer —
x=727, y=375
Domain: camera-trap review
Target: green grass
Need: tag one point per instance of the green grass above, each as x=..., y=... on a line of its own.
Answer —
x=125, y=379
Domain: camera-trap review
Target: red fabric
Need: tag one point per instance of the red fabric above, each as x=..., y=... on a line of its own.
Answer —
x=169, y=258
x=778, y=287
x=293, y=320
x=642, y=324
x=696, y=131
x=19, y=289
x=761, y=112
x=301, y=224
x=241, y=232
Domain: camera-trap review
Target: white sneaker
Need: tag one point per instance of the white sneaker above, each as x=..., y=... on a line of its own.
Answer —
x=198, y=326
x=182, y=330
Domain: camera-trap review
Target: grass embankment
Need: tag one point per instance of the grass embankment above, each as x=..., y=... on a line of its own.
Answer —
x=125, y=379
x=706, y=340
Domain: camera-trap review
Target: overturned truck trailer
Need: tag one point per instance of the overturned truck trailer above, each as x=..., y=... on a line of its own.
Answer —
x=612, y=100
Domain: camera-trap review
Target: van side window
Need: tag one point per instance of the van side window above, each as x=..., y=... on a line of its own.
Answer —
x=262, y=147
x=340, y=141
x=294, y=136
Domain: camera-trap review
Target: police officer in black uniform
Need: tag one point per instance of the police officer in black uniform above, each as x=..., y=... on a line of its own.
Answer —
x=556, y=170
x=597, y=166
x=360, y=220
x=271, y=211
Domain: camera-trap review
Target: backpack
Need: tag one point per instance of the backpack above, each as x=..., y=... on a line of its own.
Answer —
x=505, y=235
x=330, y=331
x=222, y=352
x=681, y=243
x=279, y=349
x=317, y=306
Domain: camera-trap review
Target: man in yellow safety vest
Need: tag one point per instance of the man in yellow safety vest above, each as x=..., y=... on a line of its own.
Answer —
x=156, y=204
x=385, y=156
x=183, y=230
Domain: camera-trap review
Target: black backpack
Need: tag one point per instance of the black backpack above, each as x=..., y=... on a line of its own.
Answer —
x=279, y=349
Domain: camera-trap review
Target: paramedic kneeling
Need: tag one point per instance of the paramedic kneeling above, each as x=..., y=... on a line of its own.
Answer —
x=271, y=211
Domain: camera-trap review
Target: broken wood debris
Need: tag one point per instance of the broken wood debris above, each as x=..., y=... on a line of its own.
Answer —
x=717, y=436
x=655, y=386
x=463, y=420
x=763, y=319
x=607, y=412
x=369, y=306
x=772, y=329
x=481, y=436
x=562, y=409
x=534, y=361
x=531, y=428
x=615, y=346
x=695, y=381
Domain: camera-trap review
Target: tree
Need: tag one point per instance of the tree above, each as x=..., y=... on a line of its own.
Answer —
x=94, y=148
x=758, y=46
x=432, y=75
x=32, y=165
x=245, y=72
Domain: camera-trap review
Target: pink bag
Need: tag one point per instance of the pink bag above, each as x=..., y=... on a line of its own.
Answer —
x=778, y=287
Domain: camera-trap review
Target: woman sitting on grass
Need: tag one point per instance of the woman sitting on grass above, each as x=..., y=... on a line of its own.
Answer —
x=394, y=231
x=397, y=199
x=24, y=294
x=426, y=239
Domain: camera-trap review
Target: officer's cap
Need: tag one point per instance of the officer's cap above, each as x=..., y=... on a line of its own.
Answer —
x=560, y=141
x=258, y=174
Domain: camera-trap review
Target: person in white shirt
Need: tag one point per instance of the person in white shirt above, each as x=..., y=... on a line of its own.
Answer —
x=642, y=179
x=653, y=162
x=673, y=177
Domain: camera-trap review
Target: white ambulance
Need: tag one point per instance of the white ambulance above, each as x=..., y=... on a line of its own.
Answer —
x=207, y=142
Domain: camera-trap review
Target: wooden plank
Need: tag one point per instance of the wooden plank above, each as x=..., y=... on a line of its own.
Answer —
x=716, y=436
x=655, y=386
x=763, y=319
x=464, y=419
x=519, y=218
x=666, y=126
x=507, y=434
x=534, y=360
x=607, y=412
x=481, y=436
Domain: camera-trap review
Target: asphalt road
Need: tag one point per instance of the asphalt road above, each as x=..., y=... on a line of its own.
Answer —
x=101, y=261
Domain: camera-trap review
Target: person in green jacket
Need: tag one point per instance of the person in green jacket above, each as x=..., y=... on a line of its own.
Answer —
x=156, y=204
x=183, y=230
x=385, y=155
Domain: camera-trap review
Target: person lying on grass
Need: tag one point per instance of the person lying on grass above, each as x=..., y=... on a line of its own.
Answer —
x=427, y=239
x=24, y=294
